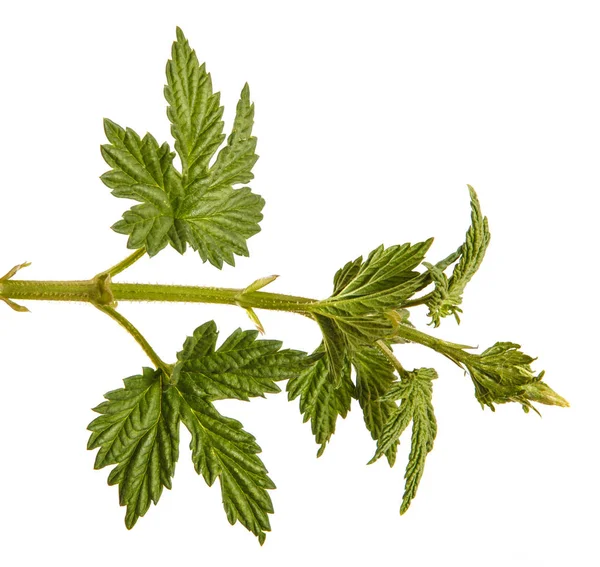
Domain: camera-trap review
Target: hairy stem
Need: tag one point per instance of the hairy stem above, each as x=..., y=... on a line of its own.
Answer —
x=453, y=351
x=417, y=301
x=95, y=290
x=139, y=338
x=103, y=293
x=124, y=264
x=387, y=351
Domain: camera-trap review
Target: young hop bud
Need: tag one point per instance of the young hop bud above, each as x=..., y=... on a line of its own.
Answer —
x=503, y=374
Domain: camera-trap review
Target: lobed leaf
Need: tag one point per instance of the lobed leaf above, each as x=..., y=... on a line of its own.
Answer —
x=447, y=296
x=200, y=206
x=241, y=368
x=380, y=283
x=222, y=449
x=414, y=392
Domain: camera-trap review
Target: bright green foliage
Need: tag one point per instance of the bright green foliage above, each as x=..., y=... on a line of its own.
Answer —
x=414, y=392
x=139, y=427
x=335, y=346
x=447, y=295
x=363, y=307
x=321, y=401
x=374, y=377
x=139, y=432
x=194, y=111
x=503, y=373
x=204, y=205
x=379, y=284
x=198, y=206
x=222, y=449
x=241, y=368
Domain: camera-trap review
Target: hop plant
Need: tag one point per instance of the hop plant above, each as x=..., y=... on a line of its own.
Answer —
x=207, y=206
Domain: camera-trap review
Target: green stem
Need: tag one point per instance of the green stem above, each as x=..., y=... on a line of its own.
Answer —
x=124, y=264
x=102, y=292
x=453, y=351
x=78, y=290
x=139, y=338
x=387, y=351
x=417, y=301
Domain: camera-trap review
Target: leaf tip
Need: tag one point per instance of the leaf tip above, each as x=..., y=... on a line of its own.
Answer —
x=246, y=92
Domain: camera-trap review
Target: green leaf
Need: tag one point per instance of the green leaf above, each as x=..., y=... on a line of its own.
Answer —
x=380, y=283
x=217, y=224
x=447, y=296
x=320, y=401
x=235, y=161
x=414, y=392
x=201, y=206
x=335, y=346
x=365, y=301
x=366, y=297
x=139, y=432
x=374, y=377
x=503, y=374
x=222, y=449
x=143, y=171
x=194, y=111
x=241, y=368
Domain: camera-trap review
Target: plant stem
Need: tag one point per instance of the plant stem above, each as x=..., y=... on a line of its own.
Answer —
x=221, y=295
x=387, y=351
x=94, y=291
x=139, y=338
x=417, y=301
x=124, y=264
x=103, y=293
x=455, y=352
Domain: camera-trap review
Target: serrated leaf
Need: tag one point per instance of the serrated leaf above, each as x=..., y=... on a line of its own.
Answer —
x=414, y=392
x=220, y=222
x=241, y=368
x=146, y=226
x=366, y=297
x=447, y=296
x=139, y=432
x=374, y=377
x=201, y=206
x=320, y=401
x=222, y=449
x=194, y=111
x=235, y=161
x=380, y=283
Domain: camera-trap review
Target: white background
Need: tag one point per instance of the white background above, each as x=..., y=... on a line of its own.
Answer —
x=371, y=119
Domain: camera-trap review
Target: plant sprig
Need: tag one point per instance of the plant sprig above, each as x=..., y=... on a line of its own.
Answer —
x=206, y=205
